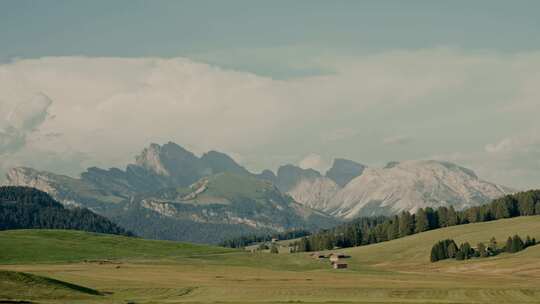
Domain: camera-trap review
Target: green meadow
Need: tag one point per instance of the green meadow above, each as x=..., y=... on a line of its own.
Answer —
x=52, y=266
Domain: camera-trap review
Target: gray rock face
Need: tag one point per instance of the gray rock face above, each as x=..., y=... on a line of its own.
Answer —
x=289, y=176
x=344, y=170
x=171, y=186
x=221, y=162
x=410, y=185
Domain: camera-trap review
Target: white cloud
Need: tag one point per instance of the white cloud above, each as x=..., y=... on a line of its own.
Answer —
x=397, y=140
x=19, y=117
x=314, y=161
x=102, y=111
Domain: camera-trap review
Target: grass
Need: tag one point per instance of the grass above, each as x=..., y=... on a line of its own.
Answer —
x=53, y=246
x=15, y=285
x=398, y=271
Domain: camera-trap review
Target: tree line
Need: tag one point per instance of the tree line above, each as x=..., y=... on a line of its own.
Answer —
x=364, y=231
x=246, y=240
x=448, y=249
x=29, y=208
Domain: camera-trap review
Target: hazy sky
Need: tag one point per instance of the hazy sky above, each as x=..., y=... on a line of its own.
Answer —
x=86, y=83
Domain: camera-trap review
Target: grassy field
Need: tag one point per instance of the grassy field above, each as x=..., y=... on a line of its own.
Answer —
x=126, y=270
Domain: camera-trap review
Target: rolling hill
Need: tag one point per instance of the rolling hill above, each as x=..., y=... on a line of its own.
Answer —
x=29, y=208
x=397, y=271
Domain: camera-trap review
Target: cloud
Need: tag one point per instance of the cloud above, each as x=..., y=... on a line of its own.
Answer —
x=314, y=161
x=397, y=140
x=20, y=116
x=102, y=111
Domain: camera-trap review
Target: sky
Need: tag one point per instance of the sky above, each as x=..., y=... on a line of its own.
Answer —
x=91, y=83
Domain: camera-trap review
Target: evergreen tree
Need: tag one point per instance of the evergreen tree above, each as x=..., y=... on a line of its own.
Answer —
x=393, y=228
x=433, y=218
x=452, y=217
x=422, y=222
x=517, y=244
x=526, y=203
x=406, y=224
x=508, y=247
x=466, y=250
x=482, y=250
x=493, y=247
x=452, y=249
x=442, y=215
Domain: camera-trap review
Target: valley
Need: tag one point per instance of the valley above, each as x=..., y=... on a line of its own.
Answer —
x=143, y=271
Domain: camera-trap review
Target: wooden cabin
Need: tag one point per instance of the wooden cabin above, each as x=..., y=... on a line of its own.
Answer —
x=340, y=265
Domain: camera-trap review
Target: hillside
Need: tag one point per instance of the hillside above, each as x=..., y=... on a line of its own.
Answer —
x=397, y=271
x=412, y=252
x=170, y=193
x=26, y=208
x=19, y=285
x=220, y=206
x=48, y=246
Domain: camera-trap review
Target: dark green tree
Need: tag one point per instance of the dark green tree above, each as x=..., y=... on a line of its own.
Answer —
x=482, y=250
x=452, y=217
x=517, y=244
x=406, y=224
x=422, y=222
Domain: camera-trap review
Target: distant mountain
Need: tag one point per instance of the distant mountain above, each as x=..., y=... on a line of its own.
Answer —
x=217, y=207
x=410, y=185
x=289, y=176
x=140, y=197
x=344, y=170
x=310, y=188
x=29, y=208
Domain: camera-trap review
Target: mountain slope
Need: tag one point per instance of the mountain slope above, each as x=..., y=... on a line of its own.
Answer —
x=25, y=208
x=410, y=185
x=220, y=206
x=412, y=252
x=344, y=170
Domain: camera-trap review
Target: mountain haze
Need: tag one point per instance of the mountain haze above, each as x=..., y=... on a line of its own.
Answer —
x=172, y=193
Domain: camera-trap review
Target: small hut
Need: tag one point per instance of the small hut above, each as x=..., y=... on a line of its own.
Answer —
x=340, y=265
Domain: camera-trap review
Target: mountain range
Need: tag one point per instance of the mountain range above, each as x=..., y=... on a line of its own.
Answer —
x=171, y=193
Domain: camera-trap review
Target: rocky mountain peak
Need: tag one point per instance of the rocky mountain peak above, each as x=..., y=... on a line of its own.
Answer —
x=344, y=170
x=165, y=160
x=289, y=176
x=221, y=162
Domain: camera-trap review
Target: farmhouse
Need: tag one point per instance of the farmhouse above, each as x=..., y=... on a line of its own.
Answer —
x=340, y=265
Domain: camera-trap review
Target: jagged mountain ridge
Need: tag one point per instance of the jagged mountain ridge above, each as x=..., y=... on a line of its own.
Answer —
x=132, y=193
x=347, y=190
x=225, y=200
x=401, y=186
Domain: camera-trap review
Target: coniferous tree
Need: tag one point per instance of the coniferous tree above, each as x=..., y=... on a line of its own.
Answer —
x=393, y=228
x=517, y=244
x=482, y=250
x=466, y=250
x=452, y=217
x=432, y=217
x=452, y=249
x=493, y=247
x=442, y=215
x=526, y=203
x=422, y=223
x=508, y=247
x=406, y=224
